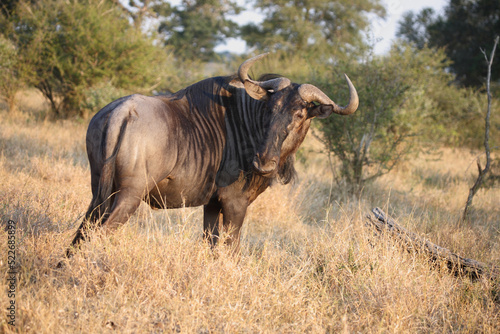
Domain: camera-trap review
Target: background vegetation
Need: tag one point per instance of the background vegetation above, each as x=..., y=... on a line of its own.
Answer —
x=308, y=263
x=463, y=28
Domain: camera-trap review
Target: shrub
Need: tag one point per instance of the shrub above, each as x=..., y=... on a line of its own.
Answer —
x=374, y=139
x=10, y=68
x=71, y=46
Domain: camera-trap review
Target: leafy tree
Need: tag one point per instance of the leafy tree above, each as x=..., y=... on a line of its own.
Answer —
x=7, y=6
x=139, y=11
x=443, y=112
x=319, y=28
x=374, y=139
x=11, y=76
x=413, y=27
x=465, y=28
x=70, y=46
x=195, y=27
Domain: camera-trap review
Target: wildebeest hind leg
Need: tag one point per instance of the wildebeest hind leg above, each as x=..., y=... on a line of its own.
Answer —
x=126, y=202
x=95, y=214
x=124, y=205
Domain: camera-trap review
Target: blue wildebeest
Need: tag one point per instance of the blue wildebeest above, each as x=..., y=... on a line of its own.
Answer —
x=218, y=143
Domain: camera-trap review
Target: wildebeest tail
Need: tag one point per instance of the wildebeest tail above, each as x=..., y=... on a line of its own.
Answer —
x=107, y=176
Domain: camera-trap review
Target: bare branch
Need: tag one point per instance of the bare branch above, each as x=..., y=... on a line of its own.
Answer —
x=483, y=172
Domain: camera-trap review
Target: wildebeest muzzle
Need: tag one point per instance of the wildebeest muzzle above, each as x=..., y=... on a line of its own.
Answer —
x=265, y=167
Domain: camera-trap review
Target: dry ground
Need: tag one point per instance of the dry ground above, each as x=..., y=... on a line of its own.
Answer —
x=308, y=264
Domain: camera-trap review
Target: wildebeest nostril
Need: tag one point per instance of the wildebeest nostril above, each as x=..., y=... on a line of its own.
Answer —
x=265, y=168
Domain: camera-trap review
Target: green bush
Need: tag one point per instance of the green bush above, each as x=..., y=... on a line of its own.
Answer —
x=373, y=140
x=96, y=97
x=408, y=93
x=10, y=68
x=71, y=46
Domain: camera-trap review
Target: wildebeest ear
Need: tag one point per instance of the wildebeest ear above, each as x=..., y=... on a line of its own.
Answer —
x=320, y=111
x=255, y=91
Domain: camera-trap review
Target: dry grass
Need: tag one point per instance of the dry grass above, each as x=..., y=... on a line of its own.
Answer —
x=307, y=264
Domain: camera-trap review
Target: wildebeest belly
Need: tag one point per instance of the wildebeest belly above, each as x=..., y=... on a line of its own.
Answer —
x=178, y=192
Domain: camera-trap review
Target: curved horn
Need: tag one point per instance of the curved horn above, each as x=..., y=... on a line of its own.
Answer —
x=245, y=67
x=310, y=93
x=259, y=89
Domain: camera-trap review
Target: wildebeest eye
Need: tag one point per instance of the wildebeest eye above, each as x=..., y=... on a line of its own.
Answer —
x=300, y=115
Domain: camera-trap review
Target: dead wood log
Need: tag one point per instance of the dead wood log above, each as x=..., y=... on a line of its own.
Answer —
x=382, y=223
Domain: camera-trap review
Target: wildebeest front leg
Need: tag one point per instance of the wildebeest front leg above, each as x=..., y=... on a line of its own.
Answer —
x=212, y=219
x=233, y=212
x=224, y=216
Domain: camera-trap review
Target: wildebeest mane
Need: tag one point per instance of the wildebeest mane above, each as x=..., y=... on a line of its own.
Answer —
x=242, y=120
x=245, y=122
x=287, y=172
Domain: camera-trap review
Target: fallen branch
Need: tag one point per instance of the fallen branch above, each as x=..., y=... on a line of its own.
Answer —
x=413, y=243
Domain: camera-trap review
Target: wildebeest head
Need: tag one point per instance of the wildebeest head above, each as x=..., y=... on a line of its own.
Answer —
x=291, y=107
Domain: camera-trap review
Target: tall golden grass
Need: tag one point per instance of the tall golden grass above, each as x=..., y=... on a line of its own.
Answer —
x=308, y=262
